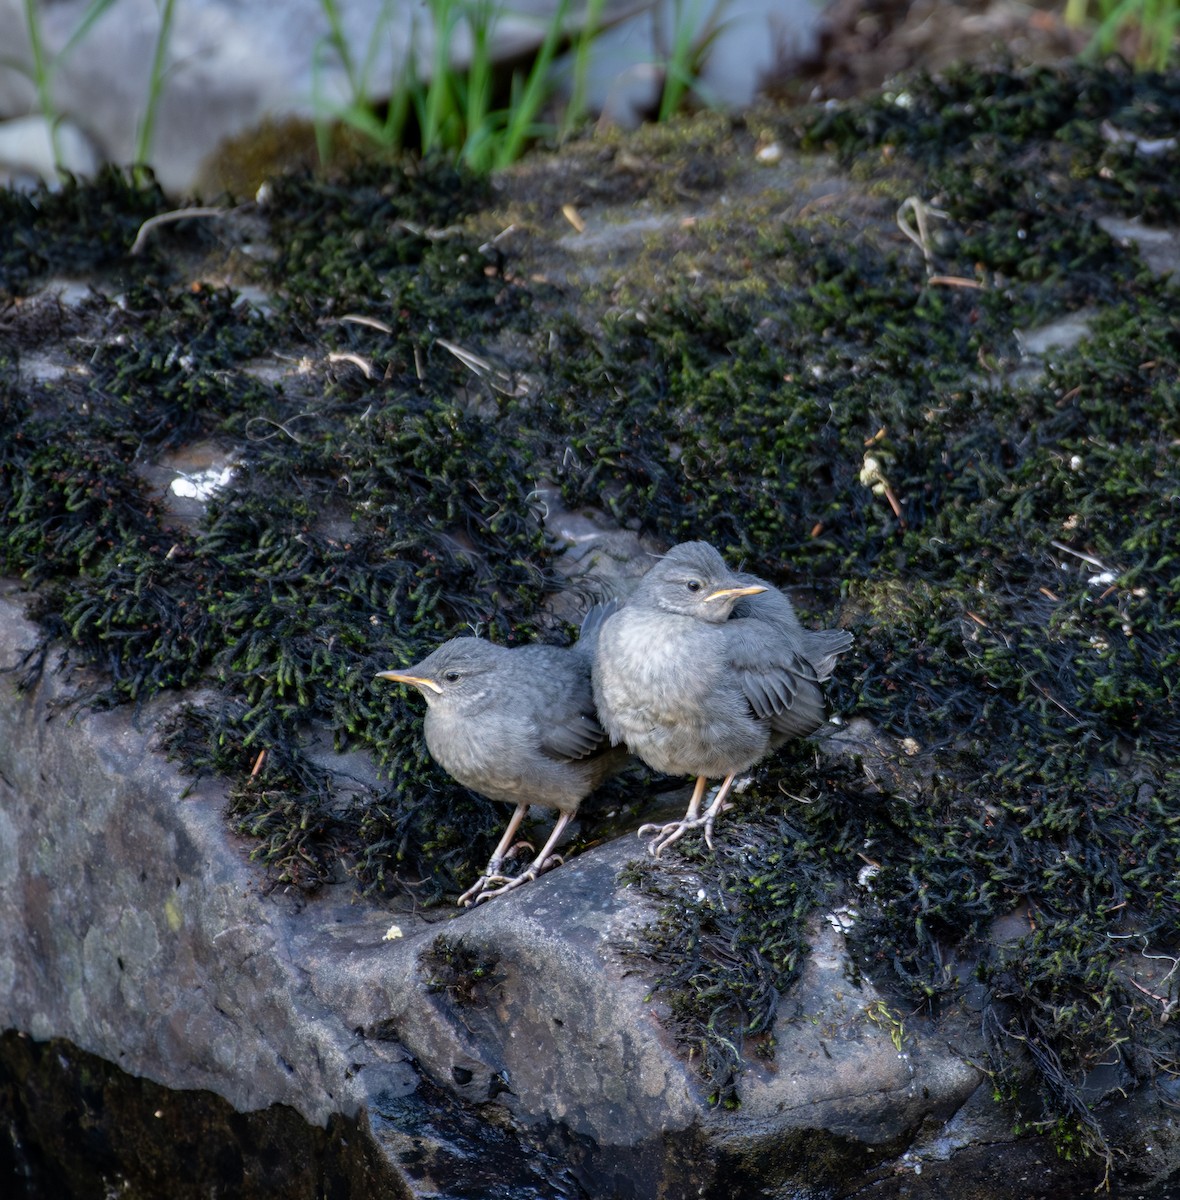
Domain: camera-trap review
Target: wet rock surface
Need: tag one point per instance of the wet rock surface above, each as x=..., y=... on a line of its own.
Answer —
x=77, y=1126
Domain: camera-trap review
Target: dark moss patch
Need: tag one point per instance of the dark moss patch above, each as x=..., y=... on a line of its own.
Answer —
x=967, y=120
x=462, y=972
x=1017, y=621
x=385, y=240
x=75, y=229
x=733, y=935
x=362, y=525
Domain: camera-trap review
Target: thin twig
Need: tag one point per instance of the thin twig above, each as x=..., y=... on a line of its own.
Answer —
x=957, y=281
x=920, y=236
x=1094, y=562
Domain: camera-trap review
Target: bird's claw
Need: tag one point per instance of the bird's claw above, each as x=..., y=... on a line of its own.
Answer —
x=474, y=893
x=670, y=834
x=482, y=890
x=710, y=817
x=506, y=884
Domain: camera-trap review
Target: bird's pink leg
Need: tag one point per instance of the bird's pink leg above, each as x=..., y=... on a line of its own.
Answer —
x=666, y=835
x=716, y=809
x=497, y=859
x=492, y=874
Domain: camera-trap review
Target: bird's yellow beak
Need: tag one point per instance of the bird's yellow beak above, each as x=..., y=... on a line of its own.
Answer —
x=415, y=680
x=727, y=593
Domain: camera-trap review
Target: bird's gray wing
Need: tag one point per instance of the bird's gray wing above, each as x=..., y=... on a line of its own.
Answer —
x=780, y=685
x=593, y=621
x=821, y=648
x=572, y=736
x=562, y=703
x=769, y=692
x=773, y=607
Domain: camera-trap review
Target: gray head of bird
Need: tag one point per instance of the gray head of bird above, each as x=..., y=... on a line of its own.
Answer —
x=457, y=675
x=692, y=580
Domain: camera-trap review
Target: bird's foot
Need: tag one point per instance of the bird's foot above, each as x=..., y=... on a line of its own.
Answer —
x=507, y=885
x=475, y=893
x=482, y=889
x=714, y=812
x=668, y=835
x=664, y=836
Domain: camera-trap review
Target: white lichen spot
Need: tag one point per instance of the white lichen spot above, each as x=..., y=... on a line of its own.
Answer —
x=843, y=919
x=201, y=485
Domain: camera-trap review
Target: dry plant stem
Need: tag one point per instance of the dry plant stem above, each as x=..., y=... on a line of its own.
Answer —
x=168, y=218
x=920, y=236
x=957, y=281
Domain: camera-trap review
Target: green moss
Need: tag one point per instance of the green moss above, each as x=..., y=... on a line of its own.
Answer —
x=74, y=229
x=359, y=529
x=465, y=974
x=1039, y=690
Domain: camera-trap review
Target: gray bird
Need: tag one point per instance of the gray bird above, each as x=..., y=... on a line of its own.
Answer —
x=516, y=725
x=703, y=671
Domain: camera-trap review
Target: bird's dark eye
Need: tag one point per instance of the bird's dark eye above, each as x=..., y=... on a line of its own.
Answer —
x=451, y=676
x=693, y=585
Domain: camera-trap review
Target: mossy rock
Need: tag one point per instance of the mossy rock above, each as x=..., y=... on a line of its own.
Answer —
x=1009, y=571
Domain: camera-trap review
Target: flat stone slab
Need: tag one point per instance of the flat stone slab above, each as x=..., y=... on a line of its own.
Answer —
x=142, y=934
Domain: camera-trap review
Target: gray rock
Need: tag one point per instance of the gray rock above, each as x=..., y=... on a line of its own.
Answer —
x=1160, y=248
x=27, y=149
x=138, y=930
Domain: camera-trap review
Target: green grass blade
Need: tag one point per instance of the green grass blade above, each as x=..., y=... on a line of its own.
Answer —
x=336, y=39
x=147, y=124
x=522, y=116
x=478, y=89
x=94, y=10
x=42, y=75
x=680, y=71
x=439, y=108
x=575, y=110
